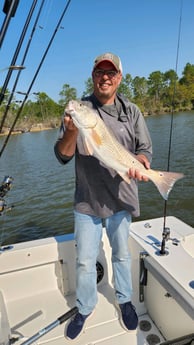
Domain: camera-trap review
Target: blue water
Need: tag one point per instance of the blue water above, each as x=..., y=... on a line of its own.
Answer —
x=42, y=192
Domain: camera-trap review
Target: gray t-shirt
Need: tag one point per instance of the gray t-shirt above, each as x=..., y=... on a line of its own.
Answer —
x=100, y=191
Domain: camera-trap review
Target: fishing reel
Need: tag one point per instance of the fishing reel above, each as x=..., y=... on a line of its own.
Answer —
x=4, y=188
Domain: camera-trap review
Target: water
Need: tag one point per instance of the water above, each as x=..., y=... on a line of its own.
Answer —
x=42, y=192
x=181, y=198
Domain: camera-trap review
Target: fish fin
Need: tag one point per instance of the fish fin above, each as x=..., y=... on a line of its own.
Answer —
x=87, y=145
x=164, y=181
x=88, y=148
x=125, y=177
x=97, y=139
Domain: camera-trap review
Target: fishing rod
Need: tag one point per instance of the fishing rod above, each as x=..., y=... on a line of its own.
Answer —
x=35, y=76
x=22, y=63
x=4, y=87
x=52, y=325
x=166, y=230
x=10, y=10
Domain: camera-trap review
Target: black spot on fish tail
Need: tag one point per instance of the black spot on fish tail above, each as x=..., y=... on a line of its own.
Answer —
x=165, y=181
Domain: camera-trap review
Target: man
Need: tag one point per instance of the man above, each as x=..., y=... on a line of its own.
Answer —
x=101, y=194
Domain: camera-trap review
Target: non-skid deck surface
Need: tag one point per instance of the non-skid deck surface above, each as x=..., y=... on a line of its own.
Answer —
x=29, y=316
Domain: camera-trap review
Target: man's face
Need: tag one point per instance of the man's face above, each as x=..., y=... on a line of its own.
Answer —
x=106, y=84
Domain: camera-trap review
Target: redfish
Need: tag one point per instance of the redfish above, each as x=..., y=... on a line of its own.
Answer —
x=102, y=144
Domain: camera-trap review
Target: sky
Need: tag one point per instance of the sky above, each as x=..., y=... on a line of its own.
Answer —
x=144, y=33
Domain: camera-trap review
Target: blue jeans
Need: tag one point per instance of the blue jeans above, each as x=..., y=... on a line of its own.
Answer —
x=88, y=234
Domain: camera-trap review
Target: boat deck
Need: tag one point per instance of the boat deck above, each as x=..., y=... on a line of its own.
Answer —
x=37, y=286
x=32, y=315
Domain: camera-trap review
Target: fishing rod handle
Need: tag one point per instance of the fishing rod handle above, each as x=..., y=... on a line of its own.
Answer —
x=52, y=325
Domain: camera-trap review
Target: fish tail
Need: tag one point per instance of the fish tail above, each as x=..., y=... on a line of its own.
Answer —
x=165, y=181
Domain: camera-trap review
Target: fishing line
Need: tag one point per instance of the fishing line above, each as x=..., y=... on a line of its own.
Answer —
x=35, y=76
x=47, y=10
x=172, y=111
x=174, y=88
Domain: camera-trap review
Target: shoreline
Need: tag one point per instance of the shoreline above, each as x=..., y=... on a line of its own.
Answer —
x=22, y=131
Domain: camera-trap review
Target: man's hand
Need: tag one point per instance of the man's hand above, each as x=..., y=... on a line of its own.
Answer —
x=68, y=123
x=135, y=173
x=67, y=144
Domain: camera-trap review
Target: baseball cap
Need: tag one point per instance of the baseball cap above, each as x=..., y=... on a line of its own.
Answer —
x=114, y=59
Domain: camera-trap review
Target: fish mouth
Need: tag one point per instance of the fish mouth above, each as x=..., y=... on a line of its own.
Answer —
x=69, y=110
x=73, y=110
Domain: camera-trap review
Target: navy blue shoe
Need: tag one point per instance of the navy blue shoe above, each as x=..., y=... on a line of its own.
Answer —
x=76, y=326
x=128, y=319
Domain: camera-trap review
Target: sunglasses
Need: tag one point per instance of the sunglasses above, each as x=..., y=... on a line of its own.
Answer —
x=101, y=72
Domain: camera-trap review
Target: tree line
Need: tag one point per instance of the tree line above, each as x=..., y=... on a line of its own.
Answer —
x=159, y=93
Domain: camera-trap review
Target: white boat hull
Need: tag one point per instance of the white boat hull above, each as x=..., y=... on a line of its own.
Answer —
x=37, y=286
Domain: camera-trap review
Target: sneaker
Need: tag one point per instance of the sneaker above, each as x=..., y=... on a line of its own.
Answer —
x=76, y=326
x=128, y=316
